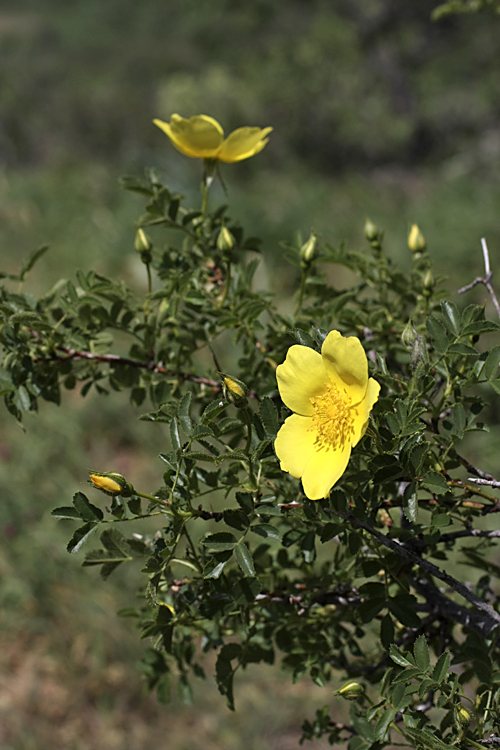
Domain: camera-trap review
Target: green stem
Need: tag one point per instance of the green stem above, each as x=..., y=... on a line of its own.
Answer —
x=150, y=282
x=301, y=292
x=164, y=504
x=193, y=549
x=226, y=286
x=205, y=187
x=248, y=421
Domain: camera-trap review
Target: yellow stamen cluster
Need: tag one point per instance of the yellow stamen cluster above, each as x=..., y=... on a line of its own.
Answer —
x=332, y=418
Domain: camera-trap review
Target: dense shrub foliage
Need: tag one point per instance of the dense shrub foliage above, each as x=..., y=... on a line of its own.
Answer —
x=361, y=589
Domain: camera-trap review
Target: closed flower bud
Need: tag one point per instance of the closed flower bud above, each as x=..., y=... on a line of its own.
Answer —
x=308, y=250
x=462, y=716
x=235, y=392
x=371, y=231
x=428, y=282
x=416, y=240
x=142, y=241
x=409, y=335
x=111, y=483
x=351, y=690
x=225, y=240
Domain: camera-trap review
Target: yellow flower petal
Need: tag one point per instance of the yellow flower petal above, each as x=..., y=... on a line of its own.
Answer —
x=323, y=470
x=243, y=143
x=346, y=364
x=364, y=409
x=200, y=136
x=302, y=376
x=294, y=445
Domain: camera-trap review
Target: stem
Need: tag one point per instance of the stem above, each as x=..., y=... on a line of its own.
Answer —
x=226, y=286
x=248, y=421
x=156, y=500
x=150, y=282
x=302, y=289
x=205, y=187
x=193, y=549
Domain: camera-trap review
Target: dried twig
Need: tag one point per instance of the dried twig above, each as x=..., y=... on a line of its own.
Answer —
x=489, y=482
x=486, y=279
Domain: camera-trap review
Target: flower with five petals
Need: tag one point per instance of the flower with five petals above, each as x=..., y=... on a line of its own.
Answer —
x=203, y=138
x=331, y=396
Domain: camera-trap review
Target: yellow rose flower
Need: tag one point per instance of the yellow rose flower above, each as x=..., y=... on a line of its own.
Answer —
x=332, y=396
x=203, y=138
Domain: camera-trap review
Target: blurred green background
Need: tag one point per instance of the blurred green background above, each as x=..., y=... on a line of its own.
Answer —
x=377, y=111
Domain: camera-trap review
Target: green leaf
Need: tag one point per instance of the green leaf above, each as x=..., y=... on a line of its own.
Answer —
x=451, y=316
x=81, y=536
x=437, y=332
x=85, y=509
x=427, y=739
x=421, y=653
x=410, y=502
x=461, y=348
x=403, y=660
x=212, y=411
x=30, y=261
x=383, y=724
x=269, y=416
x=222, y=541
x=184, y=409
x=490, y=369
x=441, y=668
x=175, y=436
x=66, y=511
x=245, y=560
x=214, y=567
x=435, y=483
x=22, y=399
x=387, y=631
x=267, y=531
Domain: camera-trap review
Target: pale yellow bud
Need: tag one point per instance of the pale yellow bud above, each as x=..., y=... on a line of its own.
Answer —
x=225, y=240
x=308, y=249
x=351, y=690
x=416, y=240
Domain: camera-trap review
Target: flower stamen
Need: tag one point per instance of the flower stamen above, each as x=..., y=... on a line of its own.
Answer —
x=332, y=418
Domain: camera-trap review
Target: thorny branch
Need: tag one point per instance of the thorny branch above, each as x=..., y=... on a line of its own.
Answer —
x=486, y=279
x=152, y=366
x=490, y=617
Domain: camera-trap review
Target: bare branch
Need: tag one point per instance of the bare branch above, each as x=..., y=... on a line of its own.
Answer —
x=486, y=280
x=490, y=616
x=480, y=480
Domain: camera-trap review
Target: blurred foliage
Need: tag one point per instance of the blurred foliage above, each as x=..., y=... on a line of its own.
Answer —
x=360, y=85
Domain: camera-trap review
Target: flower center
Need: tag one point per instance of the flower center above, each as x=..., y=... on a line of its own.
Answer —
x=332, y=418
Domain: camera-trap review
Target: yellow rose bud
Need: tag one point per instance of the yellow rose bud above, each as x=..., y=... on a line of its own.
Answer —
x=235, y=392
x=308, y=250
x=462, y=716
x=142, y=241
x=225, y=240
x=371, y=231
x=428, y=282
x=416, y=240
x=350, y=691
x=373, y=234
x=111, y=483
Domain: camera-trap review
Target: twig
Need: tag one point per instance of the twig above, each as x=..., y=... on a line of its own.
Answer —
x=152, y=366
x=486, y=280
x=490, y=616
x=489, y=482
